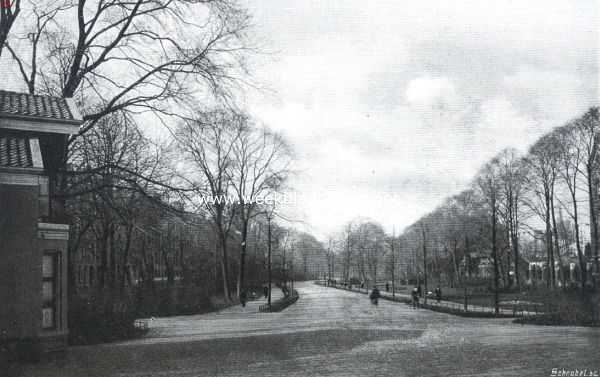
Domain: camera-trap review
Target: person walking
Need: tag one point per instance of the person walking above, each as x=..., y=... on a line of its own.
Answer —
x=266, y=291
x=243, y=298
x=438, y=294
x=374, y=296
x=415, y=297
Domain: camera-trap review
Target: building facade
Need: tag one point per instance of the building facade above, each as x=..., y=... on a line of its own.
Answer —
x=33, y=234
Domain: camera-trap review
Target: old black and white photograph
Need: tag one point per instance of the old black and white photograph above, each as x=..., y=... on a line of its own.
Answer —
x=299, y=188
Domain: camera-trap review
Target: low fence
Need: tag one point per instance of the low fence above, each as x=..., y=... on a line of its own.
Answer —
x=279, y=305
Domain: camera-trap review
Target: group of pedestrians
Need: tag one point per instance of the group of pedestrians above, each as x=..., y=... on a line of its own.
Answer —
x=244, y=295
x=416, y=293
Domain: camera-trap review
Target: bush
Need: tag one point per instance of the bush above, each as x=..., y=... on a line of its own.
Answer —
x=566, y=309
x=105, y=317
x=167, y=300
x=100, y=318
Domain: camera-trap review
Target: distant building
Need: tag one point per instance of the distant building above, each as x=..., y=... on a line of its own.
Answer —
x=476, y=265
x=33, y=235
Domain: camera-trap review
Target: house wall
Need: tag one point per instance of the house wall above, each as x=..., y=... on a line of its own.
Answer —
x=53, y=238
x=21, y=264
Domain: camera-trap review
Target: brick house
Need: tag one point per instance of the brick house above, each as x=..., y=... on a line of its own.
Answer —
x=33, y=234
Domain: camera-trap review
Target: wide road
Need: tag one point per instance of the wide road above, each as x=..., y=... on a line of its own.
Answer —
x=330, y=332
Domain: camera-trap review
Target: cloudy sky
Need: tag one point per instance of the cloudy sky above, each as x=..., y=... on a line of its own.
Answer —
x=393, y=106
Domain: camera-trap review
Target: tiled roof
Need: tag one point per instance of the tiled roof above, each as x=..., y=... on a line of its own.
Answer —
x=14, y=104
x=15, y=152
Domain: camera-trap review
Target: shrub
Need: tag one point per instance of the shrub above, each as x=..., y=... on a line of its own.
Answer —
x=100, y=318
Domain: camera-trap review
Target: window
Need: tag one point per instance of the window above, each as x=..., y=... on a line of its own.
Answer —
x=79, y=276
x=49, y=290
x=92, y=277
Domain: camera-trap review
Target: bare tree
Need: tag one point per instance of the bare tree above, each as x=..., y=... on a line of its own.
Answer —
x=347, y=235
x=451, y=232
x=488, y=182
x=108, y=196
x=209, y=142
x=260, y=166
x=392, y=260
x=424, y=246
x=467, y=205
x=330, y=252
x=365, y=241
x=587, y=129
x=542, y=167
x=9, y=11
x=44, y=16
x=512, y=173
x=571, y=160
x=132, y=57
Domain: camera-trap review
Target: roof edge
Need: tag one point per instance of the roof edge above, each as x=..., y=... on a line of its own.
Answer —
x=77, y=122
x=39, y=125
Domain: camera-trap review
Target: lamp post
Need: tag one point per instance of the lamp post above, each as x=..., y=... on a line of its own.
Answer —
x=269, y=256
x=393, y=266
x=424, y=264
x=292, y=267
x=284, y=267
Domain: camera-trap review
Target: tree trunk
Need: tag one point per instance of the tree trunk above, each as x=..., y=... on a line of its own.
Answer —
x=240, y=286
x=225, y=267
x=508, y=282
x=347, y=264
x=593, y=219
x=125, y=272
x=456, y=279
x=515, y=244
x=467, y=257
x=556, y=244
x=549, y=247
x=393, y=269
x=582, y=264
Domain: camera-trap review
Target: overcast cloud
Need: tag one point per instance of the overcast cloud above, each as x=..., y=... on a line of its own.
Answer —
x=402, y=100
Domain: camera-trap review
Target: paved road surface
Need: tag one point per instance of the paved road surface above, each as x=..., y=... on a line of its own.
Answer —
x=330, y=332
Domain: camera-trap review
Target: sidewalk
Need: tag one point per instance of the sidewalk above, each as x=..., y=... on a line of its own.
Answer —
x=444, y=306
x=252, y=306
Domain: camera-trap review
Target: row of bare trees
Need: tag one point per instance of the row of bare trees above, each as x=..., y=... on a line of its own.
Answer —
x=139, y=204
x=362, y=251
x=116, y=184
x=237, y=170
x=131, y=66
x=510, y=215
x=515, y=203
